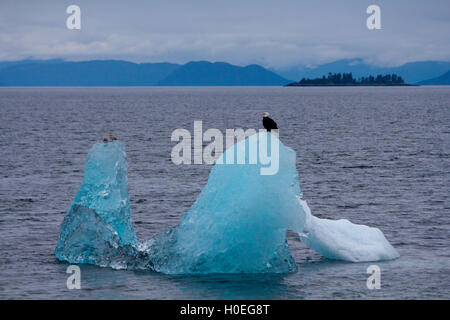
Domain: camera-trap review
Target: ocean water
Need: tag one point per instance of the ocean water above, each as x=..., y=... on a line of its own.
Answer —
x=376, y=156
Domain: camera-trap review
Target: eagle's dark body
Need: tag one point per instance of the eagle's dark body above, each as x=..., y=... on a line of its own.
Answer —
x=269, y=124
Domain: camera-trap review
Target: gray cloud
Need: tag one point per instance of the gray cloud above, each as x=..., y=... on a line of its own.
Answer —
x=273, y=33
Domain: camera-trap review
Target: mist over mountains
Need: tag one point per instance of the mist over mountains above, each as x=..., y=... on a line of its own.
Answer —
x=199, y=73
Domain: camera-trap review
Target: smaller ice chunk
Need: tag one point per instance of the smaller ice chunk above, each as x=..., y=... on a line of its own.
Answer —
x=97, y=228
x=343, y=240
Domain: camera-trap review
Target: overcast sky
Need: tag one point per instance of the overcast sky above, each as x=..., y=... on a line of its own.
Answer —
x=275, y=34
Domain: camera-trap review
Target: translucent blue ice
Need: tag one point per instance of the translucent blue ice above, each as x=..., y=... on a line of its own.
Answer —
x=239, y=221
x=237, y=224
x=99, y=218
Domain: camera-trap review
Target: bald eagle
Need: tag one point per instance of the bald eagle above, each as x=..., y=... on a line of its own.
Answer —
x=268, y=123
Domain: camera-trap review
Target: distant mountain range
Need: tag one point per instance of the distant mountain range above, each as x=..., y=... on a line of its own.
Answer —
x=205, y=73
x=441, y=80
x=412, y=72
x=123, y=73
x=86, y=73
x=201, y=73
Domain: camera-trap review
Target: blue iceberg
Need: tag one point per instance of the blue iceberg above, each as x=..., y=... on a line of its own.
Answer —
x=98, y=222
x=238, y=223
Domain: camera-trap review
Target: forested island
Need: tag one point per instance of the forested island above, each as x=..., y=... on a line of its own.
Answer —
x=346, y=79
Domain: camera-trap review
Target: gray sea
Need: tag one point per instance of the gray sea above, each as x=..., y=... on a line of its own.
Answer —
x=375, y=156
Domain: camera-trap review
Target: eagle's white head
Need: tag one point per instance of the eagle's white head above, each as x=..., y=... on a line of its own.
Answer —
x=265, y=114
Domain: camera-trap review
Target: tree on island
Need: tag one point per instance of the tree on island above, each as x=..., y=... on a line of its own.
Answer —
x=346, y=79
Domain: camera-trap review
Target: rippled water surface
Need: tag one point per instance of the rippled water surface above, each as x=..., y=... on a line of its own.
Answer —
x=376, y=156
